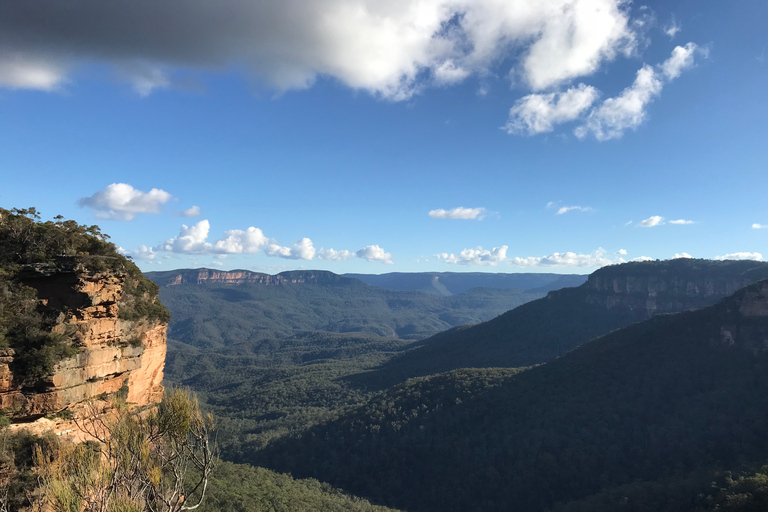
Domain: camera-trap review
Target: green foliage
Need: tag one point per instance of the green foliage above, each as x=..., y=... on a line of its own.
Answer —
x=159, y=461
x=28, y=331
x=18, y=480
x=266, y=389
x=140, y=298
x=241, y=488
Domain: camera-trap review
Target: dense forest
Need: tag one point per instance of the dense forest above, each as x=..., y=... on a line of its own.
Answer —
x=665, y=399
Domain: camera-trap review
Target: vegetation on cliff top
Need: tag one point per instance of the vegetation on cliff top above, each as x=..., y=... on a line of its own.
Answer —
x=29, y=246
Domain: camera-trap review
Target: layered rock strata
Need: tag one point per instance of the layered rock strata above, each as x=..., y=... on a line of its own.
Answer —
x=116, y=356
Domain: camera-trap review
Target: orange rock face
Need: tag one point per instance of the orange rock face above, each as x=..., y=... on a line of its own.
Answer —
x=115, y=355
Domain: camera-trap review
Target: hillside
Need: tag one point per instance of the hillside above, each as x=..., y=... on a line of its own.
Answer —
x=675, y=398
x=541, y=330
x=214, y=309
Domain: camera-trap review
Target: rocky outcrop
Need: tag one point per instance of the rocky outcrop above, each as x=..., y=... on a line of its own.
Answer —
x=116, y=355
x=748, y=329
x=671, y=287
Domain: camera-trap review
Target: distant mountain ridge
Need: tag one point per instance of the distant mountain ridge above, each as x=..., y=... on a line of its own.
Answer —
x=452, y=283
x=213, y=308
x=613, y=297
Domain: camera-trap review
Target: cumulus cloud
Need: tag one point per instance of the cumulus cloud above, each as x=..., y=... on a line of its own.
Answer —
x=193, y=211
x=459, y=213
x=143, y=253
x=682, y=255
x=539, y=113
x=194, y=240
x=759, y=226
x=301, y=250
x=754, y=256
x=641, y=258
x=565, y=259
x=476, y=257
x=120, y=201
x=655, y=220
x=374, y=253
x=621, y=252
x=628, y=110
x=238, y=241
x=681, y=222
x=334, y=255
x=391, y=49
x=190, y=240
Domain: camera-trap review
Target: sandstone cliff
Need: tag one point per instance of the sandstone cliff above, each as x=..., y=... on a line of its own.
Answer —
x=119, y=351
x=205, y=275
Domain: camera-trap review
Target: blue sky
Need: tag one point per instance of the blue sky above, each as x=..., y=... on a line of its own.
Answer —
x=361, y=136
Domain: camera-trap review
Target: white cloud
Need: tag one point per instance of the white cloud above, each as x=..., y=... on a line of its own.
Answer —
x=28, y=72
x=374, y=253
x=238, y=241
x=301, y=250
x=334, y=255
x=539, y=113
x=672, y=29
x=120, y=201
x=621, y=252
x=655, y=220
x=193, y=211
x=681, y=59
x=143, y=253
x=476, y=257
x=615, y=115
x=565, y=259
x=681, y=222
x=391, y=49
x=145, y=78
x=682, y=255
x=566, y=209
x=628, y=110
x=759, y=226
x=459, y=213
x=755, y=256
x=641, y=258
x=190, y=240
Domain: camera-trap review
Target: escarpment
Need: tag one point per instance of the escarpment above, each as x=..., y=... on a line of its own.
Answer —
x=209, y=276
x=676, y=285
x=118, y=351
x=79, y=325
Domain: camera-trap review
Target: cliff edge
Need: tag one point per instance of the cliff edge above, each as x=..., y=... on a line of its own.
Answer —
x=79, y=324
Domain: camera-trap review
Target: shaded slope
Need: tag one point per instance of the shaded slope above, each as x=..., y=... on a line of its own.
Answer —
x=670, y=396
x=547, y=328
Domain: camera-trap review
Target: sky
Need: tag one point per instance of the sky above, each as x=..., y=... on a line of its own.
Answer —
x=400, y=136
